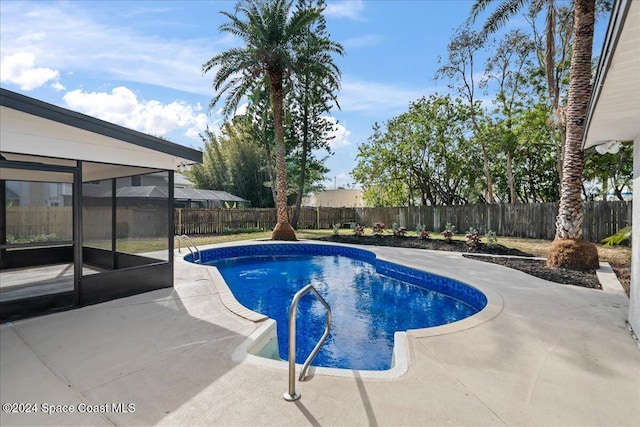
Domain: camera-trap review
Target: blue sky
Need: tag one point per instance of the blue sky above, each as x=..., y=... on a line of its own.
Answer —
x=138, y=63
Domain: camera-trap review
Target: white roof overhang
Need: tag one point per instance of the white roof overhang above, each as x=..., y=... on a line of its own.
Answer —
x=37, y=132
x=614, y=108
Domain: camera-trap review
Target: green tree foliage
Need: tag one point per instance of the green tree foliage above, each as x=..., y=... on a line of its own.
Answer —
x=211, y=174
x=311, y=97
x=459, y=69
x=535, y=156
x=506, y=69
x=234, y=161
x=422, y=156
x=270, y=31
x=612, y=171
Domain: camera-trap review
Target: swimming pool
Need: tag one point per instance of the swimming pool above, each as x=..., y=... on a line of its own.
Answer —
x=371, y=299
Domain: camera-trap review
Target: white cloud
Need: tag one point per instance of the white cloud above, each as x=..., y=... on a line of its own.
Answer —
x=362, y=41
x=340, y=133
x=121, y=106
x=72, y=38
x=349, y=9
x=20, y=69
x=58, y=86
x=377, y=98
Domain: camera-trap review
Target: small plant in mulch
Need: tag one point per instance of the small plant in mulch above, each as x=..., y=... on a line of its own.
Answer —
x=378, y=228
x=447, y=234
x=473, y=238
x=336, y=229
x=400, y=231
x=423, y=234
x=358, y=230
x=492, y=238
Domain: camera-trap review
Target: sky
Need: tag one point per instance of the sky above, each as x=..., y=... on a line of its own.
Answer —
x=139, y=63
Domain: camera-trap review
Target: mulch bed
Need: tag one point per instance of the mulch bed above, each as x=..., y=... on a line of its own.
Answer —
x=534, y=267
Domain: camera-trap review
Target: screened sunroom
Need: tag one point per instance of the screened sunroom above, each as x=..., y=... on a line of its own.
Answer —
x=66, y=239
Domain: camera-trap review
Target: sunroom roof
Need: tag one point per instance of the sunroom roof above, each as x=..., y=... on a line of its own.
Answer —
x=38, y=132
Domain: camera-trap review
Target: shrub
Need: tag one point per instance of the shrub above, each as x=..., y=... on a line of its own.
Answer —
x=358, y=230
x=492, y=237
x=336, y=229
x=422, y=233
x=448, y=235
x=240, y=230
x=473, y=239
x=400, y=231
x=620, y=237
x=378, y=228
x=450, y=227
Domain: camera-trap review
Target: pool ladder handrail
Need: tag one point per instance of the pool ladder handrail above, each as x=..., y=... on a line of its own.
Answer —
x=188, y=244
x=291, y=395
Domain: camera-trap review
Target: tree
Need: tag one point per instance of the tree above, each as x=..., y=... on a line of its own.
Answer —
x=212, y=172
x=233, y=161
x=568, y=249
x=613, y=170
x=554, y=56
x=246, y=164
x=422, y=154
x=463, y=50
x=271, y=32
x=507, y=68
x=312, y=96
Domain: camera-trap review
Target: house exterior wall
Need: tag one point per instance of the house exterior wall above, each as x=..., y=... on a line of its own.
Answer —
x=634, y=303
x=338, y=198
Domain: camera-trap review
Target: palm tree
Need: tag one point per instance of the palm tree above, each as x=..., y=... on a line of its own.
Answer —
x=271, y=32
x=568, y=249
x=313, y=96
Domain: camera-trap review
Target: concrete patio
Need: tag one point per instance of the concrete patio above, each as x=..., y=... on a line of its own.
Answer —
x=553, y=355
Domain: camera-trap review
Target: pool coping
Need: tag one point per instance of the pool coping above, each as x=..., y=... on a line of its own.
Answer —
x=401, y=358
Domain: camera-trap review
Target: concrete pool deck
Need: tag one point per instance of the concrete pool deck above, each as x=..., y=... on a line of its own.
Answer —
x=553, y=355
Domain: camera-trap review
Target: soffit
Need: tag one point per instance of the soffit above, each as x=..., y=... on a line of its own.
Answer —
x=615, y=107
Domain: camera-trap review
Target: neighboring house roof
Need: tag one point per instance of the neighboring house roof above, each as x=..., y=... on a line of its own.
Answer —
x=11, y=195
x=182, y=181
x=193, y=194
x=150, y=191
x=614, y=108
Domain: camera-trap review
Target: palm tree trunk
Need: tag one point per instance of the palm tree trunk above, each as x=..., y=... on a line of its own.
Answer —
x=569, y=221
x=283, y=230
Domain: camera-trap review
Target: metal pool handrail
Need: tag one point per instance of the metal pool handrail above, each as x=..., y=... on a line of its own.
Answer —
x=291, y=395
x=189, y=243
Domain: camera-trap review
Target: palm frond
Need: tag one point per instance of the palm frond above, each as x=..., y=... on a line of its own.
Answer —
x=618, y=238
x=478, y=7
x=504, y=12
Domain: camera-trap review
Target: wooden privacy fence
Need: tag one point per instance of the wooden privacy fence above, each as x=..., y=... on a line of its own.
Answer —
x=532, y=220
x=216, y=220
x=535, y=220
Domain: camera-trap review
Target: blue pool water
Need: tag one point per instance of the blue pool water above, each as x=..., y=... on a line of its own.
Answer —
x=370, y=299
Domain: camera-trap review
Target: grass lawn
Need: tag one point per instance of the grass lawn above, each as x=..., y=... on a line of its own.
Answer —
x=617, y=256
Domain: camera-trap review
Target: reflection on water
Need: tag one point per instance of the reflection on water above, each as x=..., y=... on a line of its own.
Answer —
x=368, y=308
